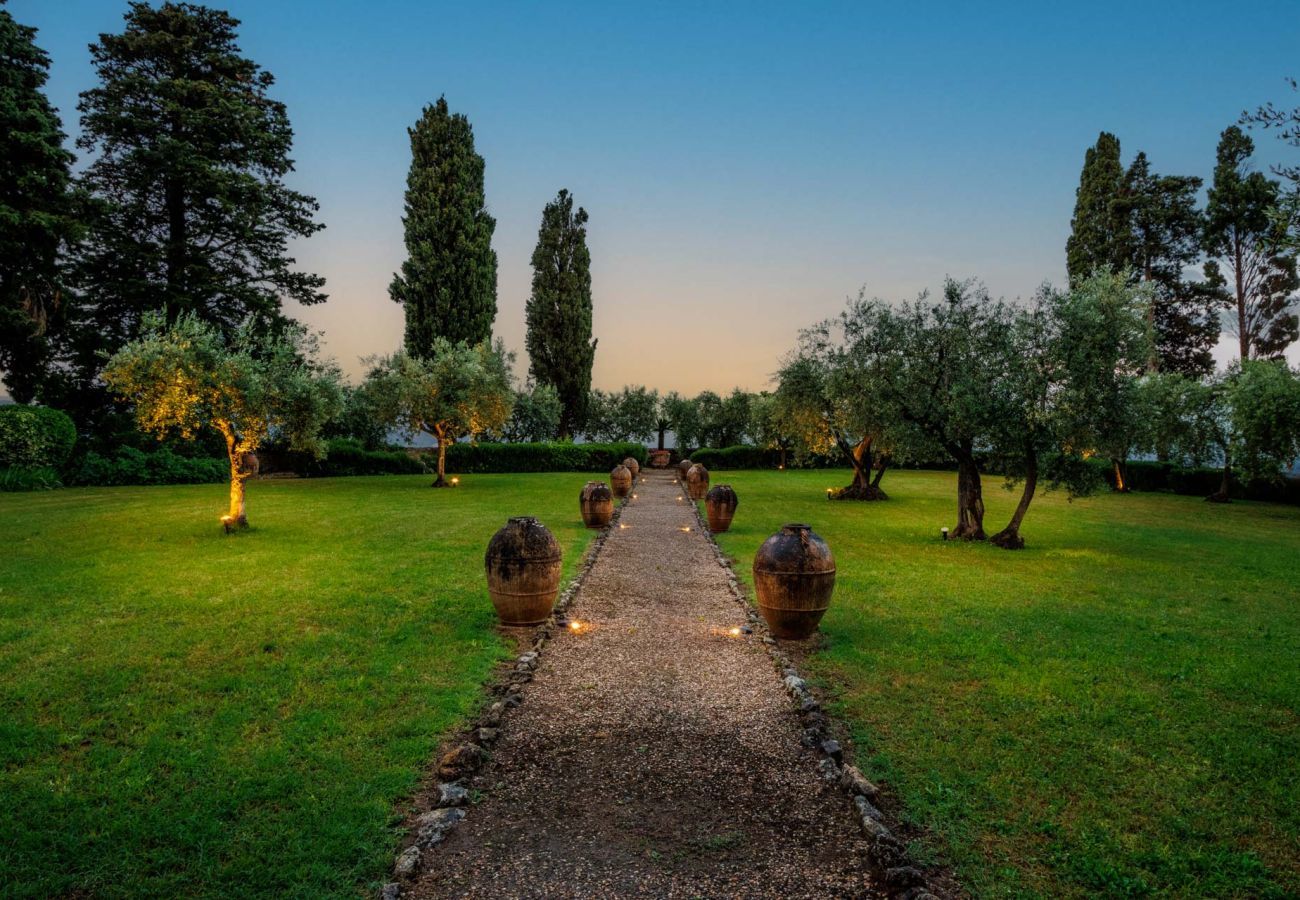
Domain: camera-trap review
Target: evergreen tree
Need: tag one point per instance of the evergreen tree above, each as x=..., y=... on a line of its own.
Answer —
x=1099, y=230
x=560, y=347
x=448, y=283
x=36, y=214
x=1164, y=240
x=1250, y=264
x=191, y=210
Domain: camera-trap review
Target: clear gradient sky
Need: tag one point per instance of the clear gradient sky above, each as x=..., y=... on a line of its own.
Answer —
x=746, y=166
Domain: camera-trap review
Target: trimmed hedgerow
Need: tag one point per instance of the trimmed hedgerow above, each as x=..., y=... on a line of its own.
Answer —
x=35, y=437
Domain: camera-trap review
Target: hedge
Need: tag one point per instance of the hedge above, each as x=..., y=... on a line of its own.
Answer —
x=35, y=436
x=129, y=466
x=472, y=459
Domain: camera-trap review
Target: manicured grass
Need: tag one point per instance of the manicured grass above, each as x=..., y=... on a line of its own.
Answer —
x=185, y=713
x=1113, y=711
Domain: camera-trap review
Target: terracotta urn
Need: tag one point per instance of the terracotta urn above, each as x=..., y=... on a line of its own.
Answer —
x=523, y=563
x=634, y=467
x=620, y=480
x=794, y=577
x=697, y=482
x=720, y=506
x=597, y=503
x=682, y=468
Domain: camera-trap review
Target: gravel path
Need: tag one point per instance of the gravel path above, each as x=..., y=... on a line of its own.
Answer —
x=655, y=754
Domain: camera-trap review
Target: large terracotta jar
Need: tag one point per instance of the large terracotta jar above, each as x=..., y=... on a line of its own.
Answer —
x=697, y=482
x=794, y=577
x=523, y=563
x=620, y=480
x=597, y=502
x=682, y=468
x=634, y=467
x=720, y=506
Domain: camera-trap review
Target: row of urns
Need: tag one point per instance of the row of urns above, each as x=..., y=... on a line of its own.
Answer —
x=794, y=571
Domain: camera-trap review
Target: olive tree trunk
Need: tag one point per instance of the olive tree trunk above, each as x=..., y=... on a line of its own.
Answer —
x=440, y=436
x=861, y=457
x=1120, y=467
x=970, y=498
x=1224, y=493
x=237, y=515
x=1009, y=538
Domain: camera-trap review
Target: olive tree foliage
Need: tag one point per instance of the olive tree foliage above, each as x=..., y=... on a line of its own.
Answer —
x=453, y=392
x=189, y=376
x=1247, y=419
x=769, y=426
x=536, y=414
x=1104, y=347
x=629, y=414
x=826, y=402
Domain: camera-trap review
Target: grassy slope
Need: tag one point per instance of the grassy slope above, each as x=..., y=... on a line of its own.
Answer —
x=187, y=713
x=1115, y=710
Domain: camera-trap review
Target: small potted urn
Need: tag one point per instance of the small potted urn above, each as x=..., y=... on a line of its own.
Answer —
x=697, y=482
x=620, y=479
x=794, y=577
x=634, y=467
x=523, y=564
x=597, y=502
x=720, y=506
x=682, y=468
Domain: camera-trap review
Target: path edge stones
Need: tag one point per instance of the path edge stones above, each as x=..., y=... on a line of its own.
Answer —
x=895, y=870
x=461, y=755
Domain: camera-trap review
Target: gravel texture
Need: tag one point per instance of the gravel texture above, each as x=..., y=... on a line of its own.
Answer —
x=655, y=754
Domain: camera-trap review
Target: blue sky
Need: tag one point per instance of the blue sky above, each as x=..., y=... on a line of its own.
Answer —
x=746, y=166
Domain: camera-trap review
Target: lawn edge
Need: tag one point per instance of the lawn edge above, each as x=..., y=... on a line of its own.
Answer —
x=898, y=874
x=438, y=805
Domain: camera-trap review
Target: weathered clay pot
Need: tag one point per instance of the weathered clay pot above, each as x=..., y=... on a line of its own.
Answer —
x=794, y=577
x=697, y=482
x=634, y=467
x=597, y=502
x=682, y=468
x=620, y=479
x=523, y=563
x=720, y=505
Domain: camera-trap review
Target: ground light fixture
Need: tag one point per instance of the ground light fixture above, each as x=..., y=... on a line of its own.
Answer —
x=455, y=480
x=943, y=532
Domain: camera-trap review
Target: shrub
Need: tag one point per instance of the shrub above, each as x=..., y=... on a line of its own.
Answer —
x=35, y=437
x=348, y=456
x=28, y=478
x=129, y=466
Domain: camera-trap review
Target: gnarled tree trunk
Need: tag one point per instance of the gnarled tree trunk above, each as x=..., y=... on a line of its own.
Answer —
x=1120, y=467
x=441, y=437
x=237, y=515
x=970, y=497
x=1009, y=538
x=1223, y=494
x=861, y=457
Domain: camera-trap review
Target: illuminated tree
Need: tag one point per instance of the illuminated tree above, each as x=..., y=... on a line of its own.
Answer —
x=188, y=377
x=454, y=391
x=825, y=402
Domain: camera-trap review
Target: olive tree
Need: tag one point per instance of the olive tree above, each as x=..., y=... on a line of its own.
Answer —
x=186, y=377
x=455, y=391
x=826, y=402
x=536, y=414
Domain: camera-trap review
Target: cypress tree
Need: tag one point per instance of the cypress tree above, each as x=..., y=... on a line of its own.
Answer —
x=1164, y=239
x=36, y=215
x=1245, y=238
x=448, y=283
x=1099, y=230
x=559, y=343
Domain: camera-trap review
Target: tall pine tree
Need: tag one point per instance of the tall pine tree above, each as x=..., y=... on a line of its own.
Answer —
x=1250, y=261
x=1099, y=234
x=1164, y=240
x=559, y=342
x=448, y=282
x=192, y=214
x=37, y=219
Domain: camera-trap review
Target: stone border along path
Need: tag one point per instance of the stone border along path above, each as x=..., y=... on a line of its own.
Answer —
x=657, y=754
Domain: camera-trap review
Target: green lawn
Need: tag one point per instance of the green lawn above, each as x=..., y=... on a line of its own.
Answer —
x=1113, y=711
x=185, y=713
